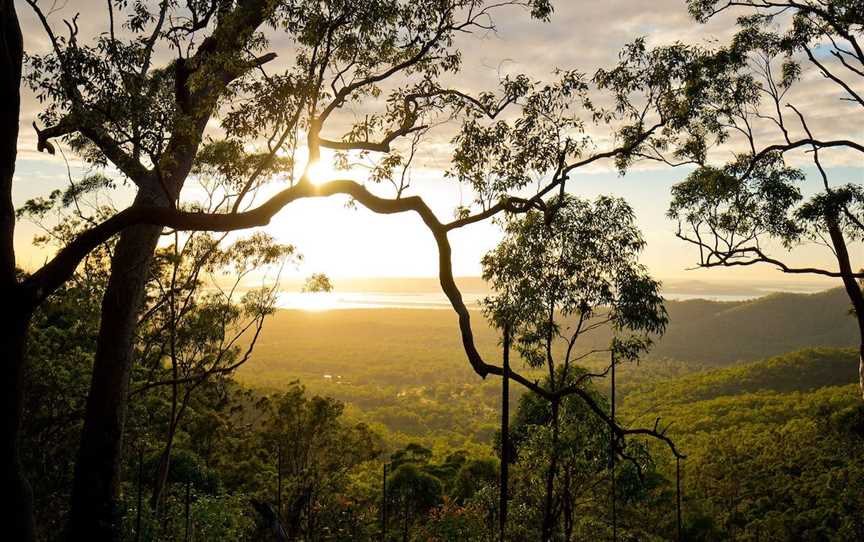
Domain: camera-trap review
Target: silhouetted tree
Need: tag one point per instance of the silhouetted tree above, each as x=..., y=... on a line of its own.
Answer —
x=318, y=451
x=108, y=101
x=112, y=104
x=730, y=212
x=204, y=336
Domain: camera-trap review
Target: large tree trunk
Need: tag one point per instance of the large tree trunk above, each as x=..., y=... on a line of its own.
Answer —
x=16, y=514
x=16, y=518
x=94, y=513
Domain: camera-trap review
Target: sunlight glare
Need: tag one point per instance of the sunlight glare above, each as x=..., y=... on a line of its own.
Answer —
x=317, y=172
x=308, y=301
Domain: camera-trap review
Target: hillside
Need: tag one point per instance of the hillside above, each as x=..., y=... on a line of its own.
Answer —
x=772, y=447
x=760, y=328
x=413, y=346
x=405, y=370
x=756, y=390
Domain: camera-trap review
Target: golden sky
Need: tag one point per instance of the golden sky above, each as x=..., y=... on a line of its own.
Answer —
x=357, y=243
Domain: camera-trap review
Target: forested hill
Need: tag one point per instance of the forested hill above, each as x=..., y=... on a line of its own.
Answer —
x=771, y=446
x=422, y=345
x=405, y=368
x=756, y=329
x=802, y=371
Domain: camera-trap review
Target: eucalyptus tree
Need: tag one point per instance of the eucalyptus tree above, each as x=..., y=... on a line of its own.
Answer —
x=559, y=275
x=317, y=283
x=109, y=103
x=139, y=96
x=316, y=453
x=204, y=335
x=585, y=477
x=199, y=320
x=744, y=212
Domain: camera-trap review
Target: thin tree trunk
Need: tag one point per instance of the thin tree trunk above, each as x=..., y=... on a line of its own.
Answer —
x=16, y=517
x=612, y=460
x=505, y=434
x=186, y=511
x=162, y=473
x=548, y=505
x=384, y=504
x=279, y=482
x=678, y=498
x=567, y=505
x=140, y=494
x=853, y=290
x=94, y=514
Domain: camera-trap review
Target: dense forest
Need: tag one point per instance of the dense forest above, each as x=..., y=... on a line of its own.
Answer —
x=152, y=389
x=769, y=442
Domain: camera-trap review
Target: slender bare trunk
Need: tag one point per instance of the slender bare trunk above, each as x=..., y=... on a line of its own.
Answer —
x=567, y=504
x=505, y=435
x=549, y=502
x=162, y=473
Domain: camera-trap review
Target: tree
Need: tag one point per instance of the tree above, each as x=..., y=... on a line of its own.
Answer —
x=18, y=516
x=112, y=105
x=316, y=451
x=202, y=335
x=732, y=212
x=583, y=479
x=557, y=276
x=414, y=493
x=194, y=321
x=317, y=282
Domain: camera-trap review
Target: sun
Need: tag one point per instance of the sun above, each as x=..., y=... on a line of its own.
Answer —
x=318, y=172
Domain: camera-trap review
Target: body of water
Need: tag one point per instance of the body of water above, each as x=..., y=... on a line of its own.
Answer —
x=437, y=300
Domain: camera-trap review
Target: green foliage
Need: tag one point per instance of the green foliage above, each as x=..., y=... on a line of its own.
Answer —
x=318, y=282
x=731, y=212
x=60, y=352
x=741, y=209
x=577, y=259
x=770, y=445
x=474, y=475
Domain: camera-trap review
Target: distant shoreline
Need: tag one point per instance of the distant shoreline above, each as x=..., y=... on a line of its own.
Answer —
x=432, y=300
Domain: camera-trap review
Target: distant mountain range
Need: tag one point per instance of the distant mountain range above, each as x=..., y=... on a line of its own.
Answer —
x=672, y=287
x=411, y=344
x=722, y=332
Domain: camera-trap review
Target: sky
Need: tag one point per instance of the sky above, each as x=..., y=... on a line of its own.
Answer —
x=584, y=35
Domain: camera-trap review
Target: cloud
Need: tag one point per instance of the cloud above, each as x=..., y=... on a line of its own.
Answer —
x=582, y=35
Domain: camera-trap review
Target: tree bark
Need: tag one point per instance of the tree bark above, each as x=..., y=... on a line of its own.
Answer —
x=93, y=513
x=16, y=517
